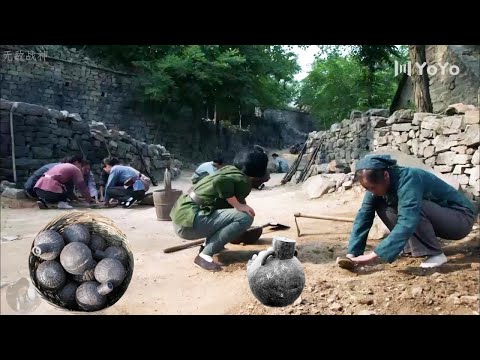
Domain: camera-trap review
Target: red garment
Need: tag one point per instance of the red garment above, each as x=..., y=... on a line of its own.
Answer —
x=54, y=180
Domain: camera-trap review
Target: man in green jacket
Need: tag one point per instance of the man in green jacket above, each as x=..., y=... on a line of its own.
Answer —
x=215, y=207
x=415, y=205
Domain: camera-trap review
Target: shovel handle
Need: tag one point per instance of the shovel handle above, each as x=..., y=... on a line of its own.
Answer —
x=322, y=217
x=183, y=246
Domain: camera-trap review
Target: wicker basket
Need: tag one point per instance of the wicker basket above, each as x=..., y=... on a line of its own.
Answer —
x=97, y=224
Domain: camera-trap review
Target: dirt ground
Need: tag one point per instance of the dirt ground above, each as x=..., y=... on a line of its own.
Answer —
x=171, y=284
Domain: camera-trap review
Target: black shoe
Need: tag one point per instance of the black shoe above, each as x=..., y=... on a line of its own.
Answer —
x=42, y=204
x=130, y=201
x=204, y=264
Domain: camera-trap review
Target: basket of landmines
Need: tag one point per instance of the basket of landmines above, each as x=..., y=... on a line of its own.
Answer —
x=81, y=262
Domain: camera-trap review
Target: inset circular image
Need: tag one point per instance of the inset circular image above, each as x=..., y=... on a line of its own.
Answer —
x=81, y=262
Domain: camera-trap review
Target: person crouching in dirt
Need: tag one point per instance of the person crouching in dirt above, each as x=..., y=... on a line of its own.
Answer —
x=56, y=185
x=208, y=168
x=125, y=185
x=415, y=205
x=216, y=209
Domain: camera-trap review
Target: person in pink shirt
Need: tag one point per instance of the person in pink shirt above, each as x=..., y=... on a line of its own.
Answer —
x=53, y=186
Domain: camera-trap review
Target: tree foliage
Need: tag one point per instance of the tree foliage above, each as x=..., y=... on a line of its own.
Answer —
x=347, y=78
x=226, y=76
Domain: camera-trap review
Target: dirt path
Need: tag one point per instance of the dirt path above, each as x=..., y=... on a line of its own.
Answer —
x=171, y=284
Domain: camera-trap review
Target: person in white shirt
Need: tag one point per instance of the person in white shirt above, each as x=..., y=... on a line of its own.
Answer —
x=208, y=168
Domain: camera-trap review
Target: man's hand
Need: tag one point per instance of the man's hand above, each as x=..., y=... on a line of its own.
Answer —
x=364, y=259
x=246, y=209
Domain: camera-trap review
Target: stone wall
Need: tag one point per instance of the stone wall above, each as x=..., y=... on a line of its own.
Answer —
x=446, y=142
x=43, y=135
x=60, y=78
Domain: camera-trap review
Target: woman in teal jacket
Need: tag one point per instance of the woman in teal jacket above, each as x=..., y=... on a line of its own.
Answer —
x=415, y=205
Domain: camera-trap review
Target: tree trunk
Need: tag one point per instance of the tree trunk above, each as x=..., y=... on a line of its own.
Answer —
x=421, y=88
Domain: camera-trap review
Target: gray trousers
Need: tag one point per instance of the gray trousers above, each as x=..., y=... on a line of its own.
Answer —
x=435, y=221
x=220, y=227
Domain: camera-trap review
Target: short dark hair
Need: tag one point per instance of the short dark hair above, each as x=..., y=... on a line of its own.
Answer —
x=112, y=161
x=252, y=163
x=374, y=176
x=274, y=155
x=218, y=159
x=72, y=159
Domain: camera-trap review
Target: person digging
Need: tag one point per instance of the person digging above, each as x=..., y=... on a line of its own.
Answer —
x=415, y=205
x=216, y=209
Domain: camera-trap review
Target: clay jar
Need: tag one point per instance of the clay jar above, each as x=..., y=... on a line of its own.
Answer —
x=110, y=270
x=50, y=275
x=76, y=258
x=96, y=243
x=48, y=245
x=76, y=233
x=113, y=252
x=67, y=294
x=91, y=295
x=276, y=277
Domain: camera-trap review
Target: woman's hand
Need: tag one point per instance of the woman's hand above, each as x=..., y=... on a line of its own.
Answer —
x=365, y=259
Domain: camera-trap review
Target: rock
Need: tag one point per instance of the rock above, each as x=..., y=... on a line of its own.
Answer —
x=459, y=169
x=432, y=122
x=404, y=115
x=55, y=114
x=475, y=266
x=429, y=151
x=418, y=117
x=443, y=168
x=366, y=312
x=98, y=126
x=443, y=143
x=74, y=117
x=452, y=123
x=65, y=113
x=317, y=185
x=378, y=112
x=340, y=142
x=335, y=127
x=472, y=117
x=474, y=175
x=31, y=109
x=336, y=307
x=404, y=148
x=411, y=134
x=404, y=137
x=365, y=301
x=113, y=144
x=446, y=158
x=378, y=230
x=5, y=104
x=355, y=114
x=459, y=108
x=462, y=159
x=415, y=146
x=471, y=136
x=10, y=238
x=416, y=291
x=476, y=158
x=462, y=149
x=298, y=301
x=14, y=193
x=469, y=299
x=402, y=127
x=337, y=166
x=347, y=184
x=4, y=184
x=382, y=141
x=426, y=134
x=333, y=190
